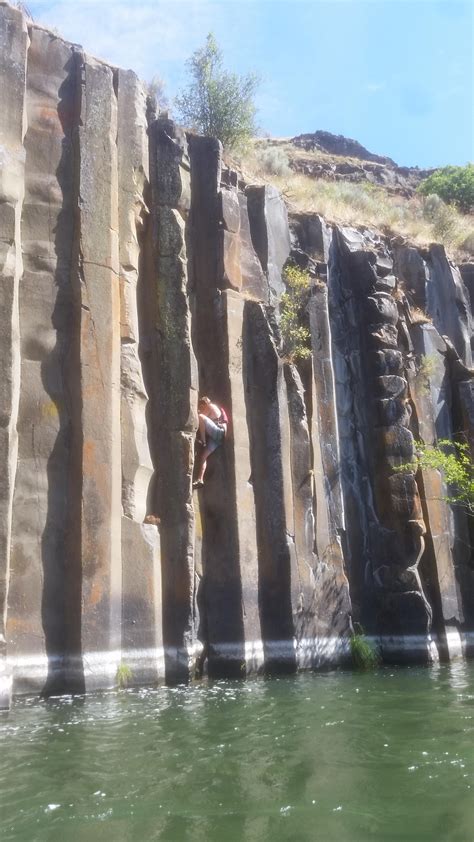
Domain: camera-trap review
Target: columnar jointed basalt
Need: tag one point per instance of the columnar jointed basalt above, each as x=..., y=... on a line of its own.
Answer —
x=228, y=590
x=13, y=56
x=135, y=272
x=409, y=576
x=175, y=398
x=142, y=640
x=42, y=505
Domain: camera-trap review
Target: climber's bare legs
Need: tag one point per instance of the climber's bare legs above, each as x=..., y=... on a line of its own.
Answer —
x=203, y=464
x=210, y=436
x=202, y=428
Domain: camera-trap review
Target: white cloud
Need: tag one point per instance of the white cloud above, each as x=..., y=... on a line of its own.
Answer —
x=149, y=37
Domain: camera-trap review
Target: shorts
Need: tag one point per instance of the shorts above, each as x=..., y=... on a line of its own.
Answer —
x=214, y=434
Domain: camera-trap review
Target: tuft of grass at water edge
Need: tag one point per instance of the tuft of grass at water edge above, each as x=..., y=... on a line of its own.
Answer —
x=364, y=655
x=123, y=676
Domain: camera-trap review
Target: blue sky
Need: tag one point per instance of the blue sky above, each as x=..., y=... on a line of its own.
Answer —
x=397, y=75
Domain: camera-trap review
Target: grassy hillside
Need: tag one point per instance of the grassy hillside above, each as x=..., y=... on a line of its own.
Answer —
x=356, y=202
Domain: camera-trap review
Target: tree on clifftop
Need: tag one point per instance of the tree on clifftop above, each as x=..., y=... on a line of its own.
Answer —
x=218, y=103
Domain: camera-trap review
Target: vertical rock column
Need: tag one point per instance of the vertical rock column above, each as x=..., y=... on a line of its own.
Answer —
x=98, y=291
x=279, y=587
x=404, y=614
x=447, y=302
x=228, y=599
x=329, y=502
x=332, y=601
x=464, y=390
x=174, y=410
x=384, y=522
x=141, y=572
x=41, y=566
x=433, y=284
x=344, y=497
x=429, y=388
x=234, y=514
x=270, y=234
x=13, y=51
x=303, y=600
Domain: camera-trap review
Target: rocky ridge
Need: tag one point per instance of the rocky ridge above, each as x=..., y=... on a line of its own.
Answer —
x=337, y=158
x=137, y=271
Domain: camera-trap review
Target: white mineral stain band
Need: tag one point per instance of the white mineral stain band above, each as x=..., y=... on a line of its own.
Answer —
x=28, y=675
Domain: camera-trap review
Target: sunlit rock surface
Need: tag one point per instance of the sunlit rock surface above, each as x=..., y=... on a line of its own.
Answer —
x=137, y=272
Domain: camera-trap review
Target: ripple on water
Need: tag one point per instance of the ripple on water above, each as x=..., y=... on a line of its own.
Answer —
x=356, y=757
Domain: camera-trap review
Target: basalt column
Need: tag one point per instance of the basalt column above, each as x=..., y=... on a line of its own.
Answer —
x=384, y=518
x=141, y=572
x=404, y=614
x=430, y=388
x=97, y=288
x=341, y=413
x=41, y=625
x=317, y=493
x=268, y=220
x=332, y=603
x=279, y=591
x=229, y=586
x=433, y=284
x=13, y=50
x=175, y=398
x=464, y=391
x=447, y=301
x=304, y=605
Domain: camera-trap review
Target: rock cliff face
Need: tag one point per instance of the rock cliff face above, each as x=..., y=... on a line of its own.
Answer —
x=137, y=271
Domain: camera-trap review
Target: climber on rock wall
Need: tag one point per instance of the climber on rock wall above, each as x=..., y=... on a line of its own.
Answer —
x=213, y=422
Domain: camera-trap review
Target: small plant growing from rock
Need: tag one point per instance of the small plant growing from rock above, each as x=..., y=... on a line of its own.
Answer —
x=419, y=317
x=123, y=676
x=425, y=368
x=364, y=655
x=24, y=8
x=295, y=333
x=157, y=99
x=453, y=459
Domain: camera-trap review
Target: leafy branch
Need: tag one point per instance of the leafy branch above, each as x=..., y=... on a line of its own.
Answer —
x=293, y=321
x=453, y=459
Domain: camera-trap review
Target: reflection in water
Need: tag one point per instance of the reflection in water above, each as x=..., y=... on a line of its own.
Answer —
x=339, y=756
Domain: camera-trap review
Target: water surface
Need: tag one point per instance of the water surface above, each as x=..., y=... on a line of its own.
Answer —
x=340, y=756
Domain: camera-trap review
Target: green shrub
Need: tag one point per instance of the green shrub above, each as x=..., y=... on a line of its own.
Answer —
x=294, y=329
x=442, y=217
x=364, y=655
x=453, y=459
x=273, y=161
x=455, y=185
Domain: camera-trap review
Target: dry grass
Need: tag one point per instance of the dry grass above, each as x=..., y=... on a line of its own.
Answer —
x=362, y=204
x=250, y=296
x=419, y=317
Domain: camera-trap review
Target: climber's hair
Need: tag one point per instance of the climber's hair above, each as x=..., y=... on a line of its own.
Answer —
x=204, y=401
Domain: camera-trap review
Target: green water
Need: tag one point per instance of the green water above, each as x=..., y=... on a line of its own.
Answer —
x=340, y=756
